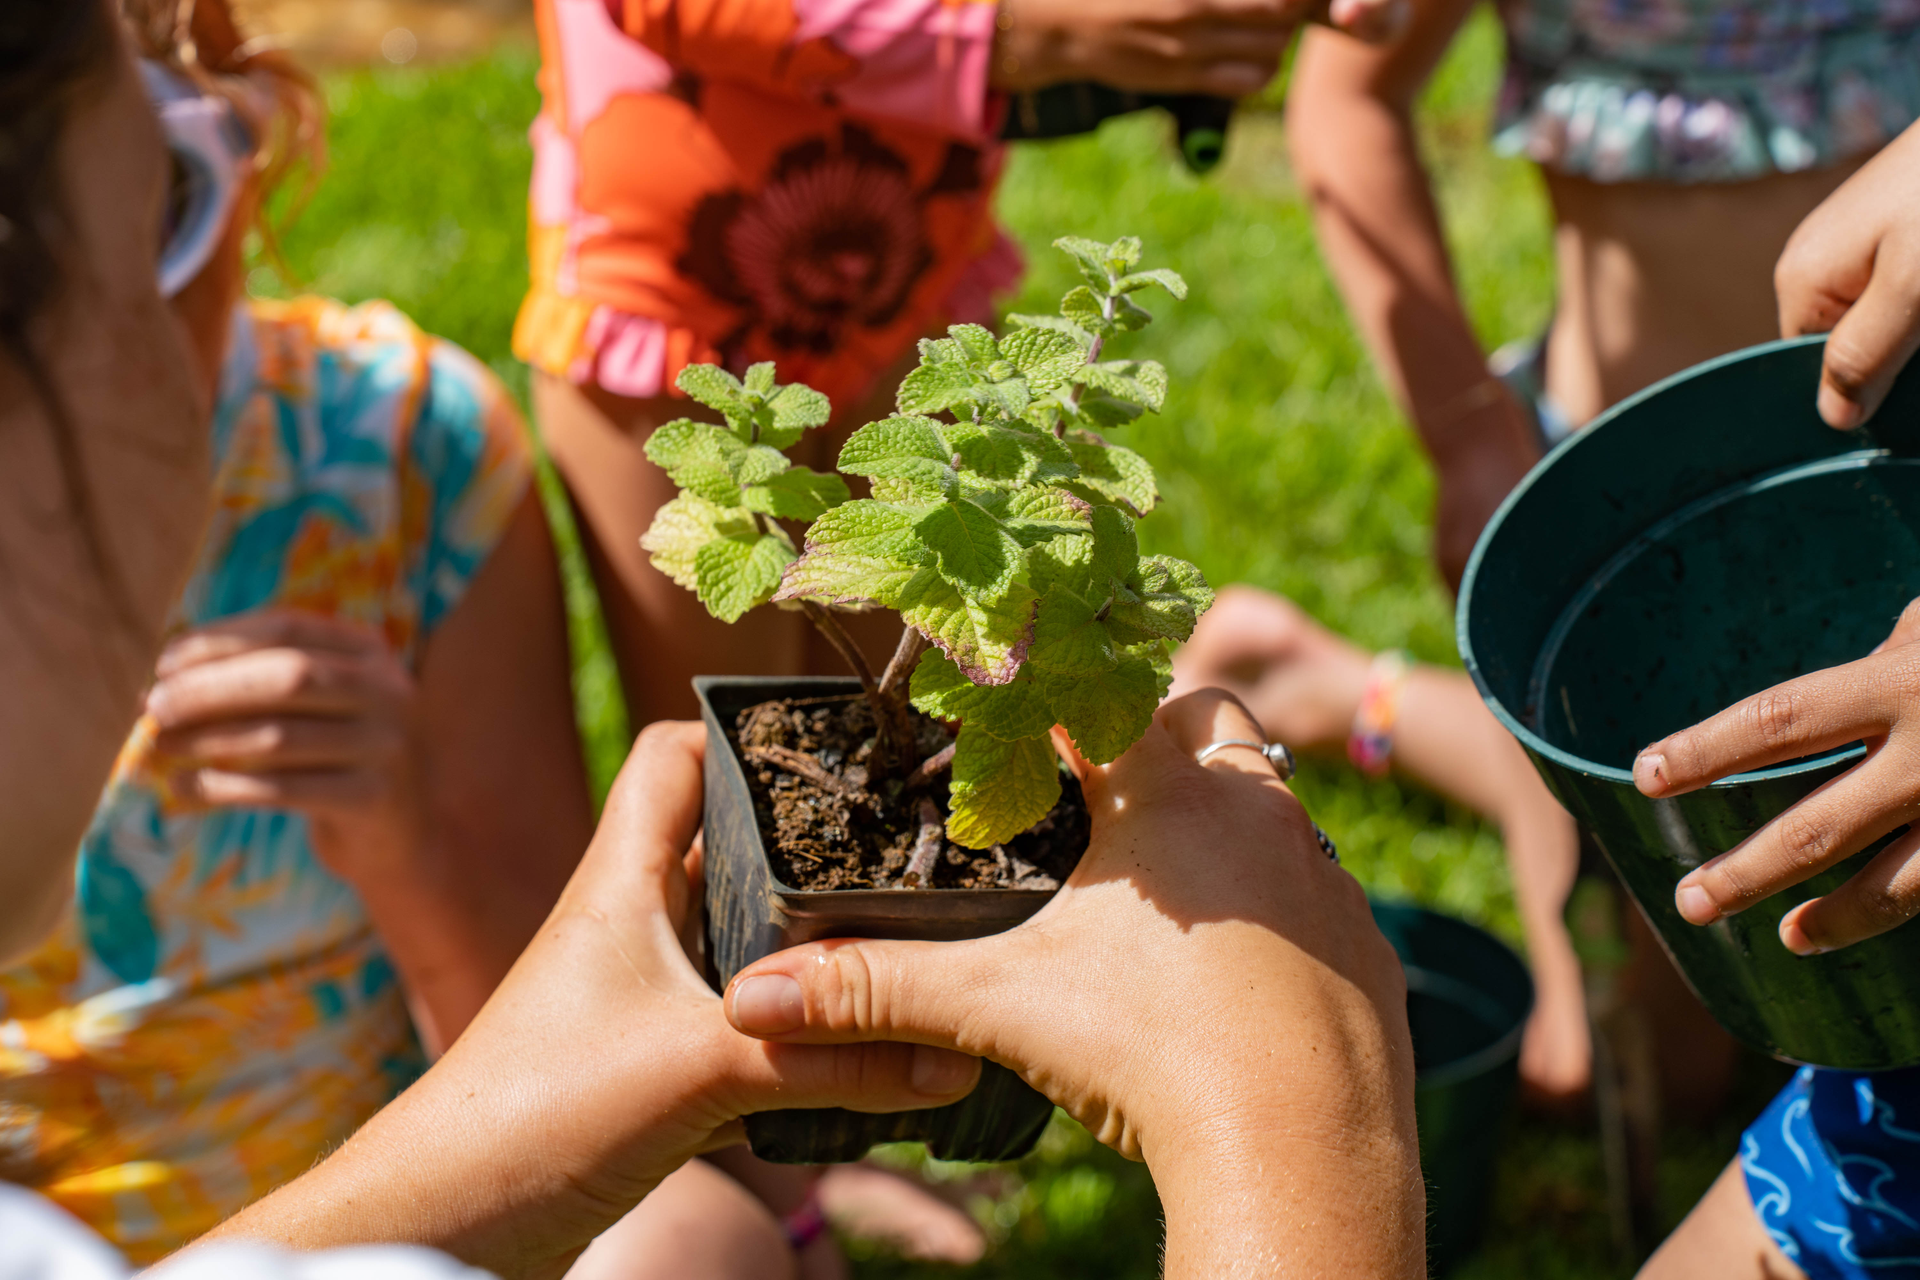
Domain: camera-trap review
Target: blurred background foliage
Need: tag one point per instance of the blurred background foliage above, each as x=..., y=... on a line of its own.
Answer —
x=1282, y=461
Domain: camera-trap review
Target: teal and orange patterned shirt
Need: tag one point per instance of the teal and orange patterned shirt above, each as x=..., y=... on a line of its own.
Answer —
x=215, y=1011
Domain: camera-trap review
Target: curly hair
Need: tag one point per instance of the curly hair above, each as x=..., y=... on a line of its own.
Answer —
x=201, y=40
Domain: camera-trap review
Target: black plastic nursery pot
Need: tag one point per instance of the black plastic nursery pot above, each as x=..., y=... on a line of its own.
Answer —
x=1700, y=542
x=1468, y=997
x=751, y=913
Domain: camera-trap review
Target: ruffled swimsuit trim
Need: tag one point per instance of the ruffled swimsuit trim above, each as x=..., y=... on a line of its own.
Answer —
x=1736, y=114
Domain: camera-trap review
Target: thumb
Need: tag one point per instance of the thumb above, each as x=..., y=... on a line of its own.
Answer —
x=1870, y=345
x=929, y=993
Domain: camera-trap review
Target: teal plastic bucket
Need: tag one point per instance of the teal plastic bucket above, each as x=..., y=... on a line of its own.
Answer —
x=1468, y=997
x=1702, y=541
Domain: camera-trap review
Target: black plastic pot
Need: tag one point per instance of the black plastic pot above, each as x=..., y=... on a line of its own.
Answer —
x=1468, y=997
x=1701, y=541
x=751, y=913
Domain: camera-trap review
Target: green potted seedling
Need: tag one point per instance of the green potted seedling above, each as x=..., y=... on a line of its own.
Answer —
x=924, y=798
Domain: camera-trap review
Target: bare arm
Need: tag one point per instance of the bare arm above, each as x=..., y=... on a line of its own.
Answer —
x=104, y=485
x=508, y=813
x=453, y=799
x=1350, y=127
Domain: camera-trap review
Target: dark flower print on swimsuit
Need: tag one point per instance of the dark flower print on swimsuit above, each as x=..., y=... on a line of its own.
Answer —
x=834, y=240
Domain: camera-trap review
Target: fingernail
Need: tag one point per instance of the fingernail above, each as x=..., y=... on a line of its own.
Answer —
x=1840, y=413
x=768, y=1004
x=1694, y=904
x=940, y=1072
x=1795, y=939
x=1798, y=943
x=1649, y=773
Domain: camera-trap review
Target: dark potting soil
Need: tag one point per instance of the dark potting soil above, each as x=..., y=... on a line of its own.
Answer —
x=826, y=828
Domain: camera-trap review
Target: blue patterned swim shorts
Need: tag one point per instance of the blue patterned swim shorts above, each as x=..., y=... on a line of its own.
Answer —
x=1833, y=1169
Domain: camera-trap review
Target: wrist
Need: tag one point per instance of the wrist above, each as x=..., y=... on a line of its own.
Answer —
x=1314, y=1190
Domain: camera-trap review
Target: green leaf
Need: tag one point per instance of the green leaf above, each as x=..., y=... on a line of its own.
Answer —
x=1044, y=357
x=1058, y=324
x=1106, y=413
x=1014, y=454
x=681, y=528
x=1142, y=381
x=936, y=388
x=700, y=458
x=789, y=413
x=1067, y=637
x=1124, y=252
x=975, y=553
x=977, y=341
x=799, y=493
x=988, y=641
x=1034, y=515
x=740, y=571
x=1129, y=316
x=1105, y=712
x=717, y=389
x=1000, y=788
x=1090, y=256
x=757, y=464
x=909, y=449
x=1163, y=602
x=1081, y=308
x=1171, y=281
x=1116, y=551
x=1112, y=473
x=860, y=550
x=759, y=379
x=1007, y=711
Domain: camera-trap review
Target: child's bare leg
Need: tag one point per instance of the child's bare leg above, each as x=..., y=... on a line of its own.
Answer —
x=662, y=635
x=871, y=1203
x=1721, y=1237
x=697, y=1225
x=1304, y=683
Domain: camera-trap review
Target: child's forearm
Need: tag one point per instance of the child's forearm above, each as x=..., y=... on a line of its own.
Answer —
x=1350, y=129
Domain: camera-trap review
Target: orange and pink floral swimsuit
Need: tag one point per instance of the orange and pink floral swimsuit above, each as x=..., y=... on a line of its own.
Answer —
x=805, y=181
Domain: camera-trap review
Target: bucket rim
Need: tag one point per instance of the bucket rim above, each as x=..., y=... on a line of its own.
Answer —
x=1469, y=583
x=1433, y=982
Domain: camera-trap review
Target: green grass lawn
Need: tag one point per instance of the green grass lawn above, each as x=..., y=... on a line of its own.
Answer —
x=1282, y=461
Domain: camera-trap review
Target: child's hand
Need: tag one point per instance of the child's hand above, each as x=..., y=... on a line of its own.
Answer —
x=1853, y=267
x=1207, y=992
x=1230, y=48
x=1876, y=699
x=603, y=1063
x=288, y=710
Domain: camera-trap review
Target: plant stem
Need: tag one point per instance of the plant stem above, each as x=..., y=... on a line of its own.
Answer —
x=932, y=767
x=822, y=617
x=926, y=847
x=893, y=731
x=801, y=766
x=1093, y=354
x=905, y=657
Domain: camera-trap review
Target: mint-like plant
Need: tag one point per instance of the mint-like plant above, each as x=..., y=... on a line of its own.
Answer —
x=1001, y=526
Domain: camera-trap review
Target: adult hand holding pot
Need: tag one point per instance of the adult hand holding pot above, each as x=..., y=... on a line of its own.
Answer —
x=1876, y=699
x=599, y=1066
x=1207, y=992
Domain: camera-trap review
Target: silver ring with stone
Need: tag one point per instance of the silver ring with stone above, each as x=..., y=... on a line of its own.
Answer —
x=1276, y=753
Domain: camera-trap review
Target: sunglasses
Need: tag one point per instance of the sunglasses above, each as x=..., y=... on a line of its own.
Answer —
x=211, y=150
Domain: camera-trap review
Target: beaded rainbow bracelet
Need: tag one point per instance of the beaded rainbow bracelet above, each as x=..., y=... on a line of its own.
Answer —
x=1370, y=744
